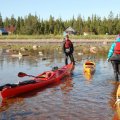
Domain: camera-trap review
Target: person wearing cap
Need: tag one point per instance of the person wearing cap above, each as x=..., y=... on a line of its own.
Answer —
x=114, y=56
x=68, y=50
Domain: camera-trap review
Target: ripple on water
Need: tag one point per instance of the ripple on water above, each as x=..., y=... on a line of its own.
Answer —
x=72, y=99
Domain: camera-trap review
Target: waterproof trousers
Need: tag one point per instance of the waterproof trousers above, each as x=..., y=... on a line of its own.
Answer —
x=116, y=68
x=71, y=58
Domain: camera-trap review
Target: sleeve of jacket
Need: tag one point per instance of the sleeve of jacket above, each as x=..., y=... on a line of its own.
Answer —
x=111, y=50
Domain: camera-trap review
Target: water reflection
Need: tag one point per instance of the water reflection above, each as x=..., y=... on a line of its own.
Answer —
x=70, y=98
x=88, y=76
x=67, y=85
x=6, y=103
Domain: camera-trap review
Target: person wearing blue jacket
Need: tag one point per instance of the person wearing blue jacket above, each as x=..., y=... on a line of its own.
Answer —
x=114, y=56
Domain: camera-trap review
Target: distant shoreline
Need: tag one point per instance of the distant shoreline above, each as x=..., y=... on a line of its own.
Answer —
x=54, y=41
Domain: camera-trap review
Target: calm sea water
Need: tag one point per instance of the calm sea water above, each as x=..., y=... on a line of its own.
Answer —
x=74, y=98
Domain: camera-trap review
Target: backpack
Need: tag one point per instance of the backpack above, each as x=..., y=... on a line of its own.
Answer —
x=117, y=48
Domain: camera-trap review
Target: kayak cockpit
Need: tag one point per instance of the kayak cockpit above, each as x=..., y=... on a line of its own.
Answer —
x=45, y=76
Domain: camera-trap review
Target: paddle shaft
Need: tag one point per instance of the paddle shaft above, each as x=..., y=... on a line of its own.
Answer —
x=21, y=74
x=31, y=76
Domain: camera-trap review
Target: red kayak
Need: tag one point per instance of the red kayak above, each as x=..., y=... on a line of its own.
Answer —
x=38, y=82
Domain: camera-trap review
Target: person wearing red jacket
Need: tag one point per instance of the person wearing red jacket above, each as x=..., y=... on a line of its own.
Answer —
x=68, y=50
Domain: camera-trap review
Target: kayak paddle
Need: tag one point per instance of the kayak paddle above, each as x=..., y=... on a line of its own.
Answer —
x=21, y=74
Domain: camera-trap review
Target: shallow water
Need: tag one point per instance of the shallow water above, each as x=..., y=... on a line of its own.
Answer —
x=74, y=98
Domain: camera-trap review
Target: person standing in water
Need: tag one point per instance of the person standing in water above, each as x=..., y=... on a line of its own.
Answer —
x=68, y=50
x=114, y=56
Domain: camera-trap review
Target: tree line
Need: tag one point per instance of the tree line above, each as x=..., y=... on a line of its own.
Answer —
x=34, y=25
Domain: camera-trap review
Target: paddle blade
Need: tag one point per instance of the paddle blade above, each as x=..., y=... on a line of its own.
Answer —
x=21, y=74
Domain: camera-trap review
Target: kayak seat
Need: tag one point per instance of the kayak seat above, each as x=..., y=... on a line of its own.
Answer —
x=44, y=76
x=49, y=74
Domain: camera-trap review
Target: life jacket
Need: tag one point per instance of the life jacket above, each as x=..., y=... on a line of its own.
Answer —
x=117, y=48
x=68, y=44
